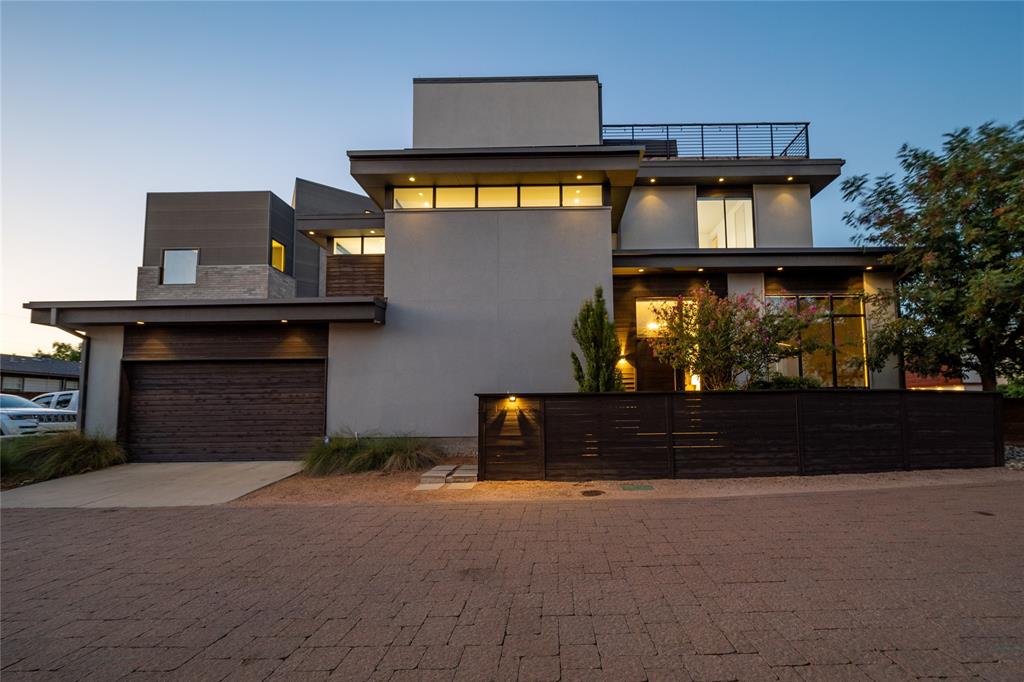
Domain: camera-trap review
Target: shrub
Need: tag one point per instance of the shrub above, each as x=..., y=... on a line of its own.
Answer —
x=1012, y=389
x=350, y=454
x=41, y=458
x=594, y=333
x=780, y=382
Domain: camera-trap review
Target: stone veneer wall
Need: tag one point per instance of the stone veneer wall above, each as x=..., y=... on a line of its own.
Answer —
x=217, y=281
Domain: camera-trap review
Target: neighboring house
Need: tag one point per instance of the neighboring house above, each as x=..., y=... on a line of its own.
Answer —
x=28, y=376
x=259, y=327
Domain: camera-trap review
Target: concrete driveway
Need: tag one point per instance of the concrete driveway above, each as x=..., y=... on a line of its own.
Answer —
x=152, y=485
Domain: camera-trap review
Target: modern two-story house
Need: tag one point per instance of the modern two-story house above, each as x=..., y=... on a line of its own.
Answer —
x=259, y=326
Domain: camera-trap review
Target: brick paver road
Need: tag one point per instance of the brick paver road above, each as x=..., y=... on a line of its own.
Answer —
x=880, y=585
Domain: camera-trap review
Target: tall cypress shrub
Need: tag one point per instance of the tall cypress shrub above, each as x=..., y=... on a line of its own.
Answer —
x=595, y=335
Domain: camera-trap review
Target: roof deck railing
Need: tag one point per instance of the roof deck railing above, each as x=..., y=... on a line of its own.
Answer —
x=713, y=140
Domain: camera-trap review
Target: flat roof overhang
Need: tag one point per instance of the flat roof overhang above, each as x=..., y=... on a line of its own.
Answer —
x=376, y=170
x=628, y=261
x=818, y=173
x=78, y=314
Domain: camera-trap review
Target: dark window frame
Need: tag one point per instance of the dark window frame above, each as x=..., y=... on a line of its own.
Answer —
x=832, y=315
x=163, y=259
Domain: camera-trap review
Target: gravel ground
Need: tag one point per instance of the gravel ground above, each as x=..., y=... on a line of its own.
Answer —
x=1014, y=456
x=375, y=488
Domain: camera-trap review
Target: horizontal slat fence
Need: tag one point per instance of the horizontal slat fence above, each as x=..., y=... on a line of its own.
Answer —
x=588, y=436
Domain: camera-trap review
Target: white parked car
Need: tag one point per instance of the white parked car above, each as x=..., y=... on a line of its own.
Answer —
x=22, y=417
x=59, y=400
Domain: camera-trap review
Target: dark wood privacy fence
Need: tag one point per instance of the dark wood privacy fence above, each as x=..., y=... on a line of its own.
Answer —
x=583, y=436
x=1013, y=420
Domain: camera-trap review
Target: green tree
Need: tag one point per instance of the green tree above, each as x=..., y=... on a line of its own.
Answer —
x=62, y=351
x=956, y=218
x=723, y=340
x=595, y=335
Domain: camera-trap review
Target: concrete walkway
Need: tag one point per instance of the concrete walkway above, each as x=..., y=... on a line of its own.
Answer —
x=152, y=485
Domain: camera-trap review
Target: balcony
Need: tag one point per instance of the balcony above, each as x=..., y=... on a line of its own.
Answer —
x=716, y=141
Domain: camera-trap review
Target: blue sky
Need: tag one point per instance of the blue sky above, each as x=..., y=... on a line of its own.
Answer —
x=104, y=102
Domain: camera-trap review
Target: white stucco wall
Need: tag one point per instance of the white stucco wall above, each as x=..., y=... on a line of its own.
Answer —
x=874, y=282
x=782, y=215
x=506, y=114
x=103, y=380
x=478, y=301
x=660, y=218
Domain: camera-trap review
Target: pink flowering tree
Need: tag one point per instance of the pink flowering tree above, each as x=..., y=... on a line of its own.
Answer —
x=725, y=339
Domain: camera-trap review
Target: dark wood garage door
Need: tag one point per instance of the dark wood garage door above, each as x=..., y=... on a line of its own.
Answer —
x=223, y=410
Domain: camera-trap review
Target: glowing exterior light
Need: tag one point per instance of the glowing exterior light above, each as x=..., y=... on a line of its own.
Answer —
x=139, y=322
x=511, y=398
x=640, y=270
x=579, y=176
x=870, y=267
x=779, y=268
x=721, y=179
x=284, y=321
x=653, y=180
x=412, y=179
x=789, y=179
x=373, y=231
x=700, y=269
x=312, y=232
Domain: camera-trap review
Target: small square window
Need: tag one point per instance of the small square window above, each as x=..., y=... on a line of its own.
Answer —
x=277, y=255
x=179, y=266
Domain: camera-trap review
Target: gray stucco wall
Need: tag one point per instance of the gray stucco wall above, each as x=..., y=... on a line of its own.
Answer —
x=506, y=114
x=740, y=283
x=660, y=218
x=217, y=281
x=782, y=215
x=478, y=301
x=103, y=380
x=874, y=282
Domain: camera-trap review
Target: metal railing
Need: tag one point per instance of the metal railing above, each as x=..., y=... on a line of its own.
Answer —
x=714, y=140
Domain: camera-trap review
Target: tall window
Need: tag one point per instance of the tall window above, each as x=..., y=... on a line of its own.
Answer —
x=840, y=362
x=725, y=223
x=358, y=246
x=277, y=255
x=179, y=266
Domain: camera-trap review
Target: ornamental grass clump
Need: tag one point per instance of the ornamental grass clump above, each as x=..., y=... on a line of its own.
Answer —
x=40, y=458
x=352, y=454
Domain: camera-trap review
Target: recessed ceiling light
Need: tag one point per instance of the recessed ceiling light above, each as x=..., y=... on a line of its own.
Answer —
x=789, y=179
x=312, y=232
x=653, y=180
x=640, y=269
x=700, y=269
x=579, y=176
x=139, y=322
x=779, y=268
x=284, y=321
x=870, y=267
x=367, y=211
x=412, y=179
x=373, y=231
x=721, y=179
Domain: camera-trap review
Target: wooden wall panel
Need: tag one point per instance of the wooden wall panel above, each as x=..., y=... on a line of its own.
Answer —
x=622, y=436
x=512, y=439
x=1013, y=420
x=199, y=411
x=225, y=342
x=735, y=434
x=743, y=433
x=946, y=431
x=851, y=431
x=355, y=276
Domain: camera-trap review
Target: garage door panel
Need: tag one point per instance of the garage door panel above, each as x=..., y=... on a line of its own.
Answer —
x=241, y=410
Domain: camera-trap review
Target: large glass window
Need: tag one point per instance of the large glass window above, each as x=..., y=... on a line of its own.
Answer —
x=179, y=266
x=531, y=196
x=582, y=195
x=358, y=246
x=11, y=383
x=725, y=223
x=455, y=197
x=647, y=324
x=524, y=196
x=414, y=197
x=497, y=197
x=839, y=362
x=277, y=255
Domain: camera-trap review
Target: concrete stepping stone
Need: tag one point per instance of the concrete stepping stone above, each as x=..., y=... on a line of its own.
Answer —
x=438, y=474
x=465, y=473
